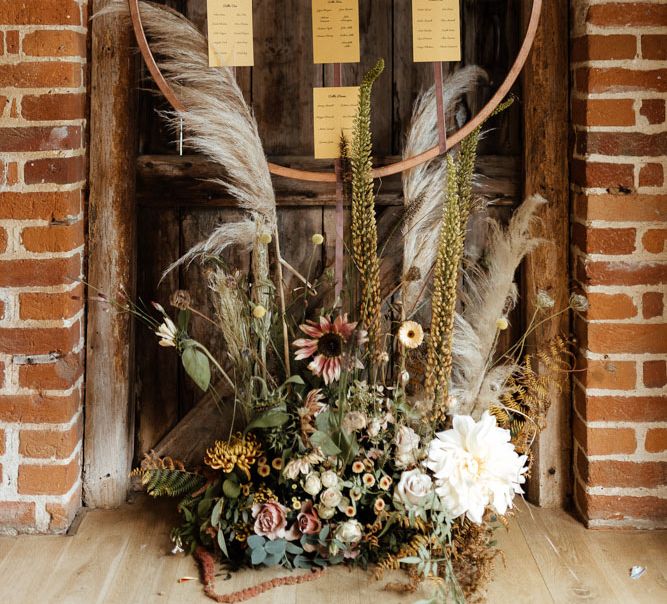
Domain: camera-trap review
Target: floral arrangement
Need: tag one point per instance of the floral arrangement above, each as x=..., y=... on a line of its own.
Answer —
x=373, y=429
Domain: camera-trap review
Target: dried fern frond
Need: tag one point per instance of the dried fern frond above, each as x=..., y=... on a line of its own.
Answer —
x=364, y=227
x=217, y=122
x=163, y=476
x=411, y=548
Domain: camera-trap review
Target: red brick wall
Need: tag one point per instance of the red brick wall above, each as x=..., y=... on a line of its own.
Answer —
x=42, y=174
x=619, y=75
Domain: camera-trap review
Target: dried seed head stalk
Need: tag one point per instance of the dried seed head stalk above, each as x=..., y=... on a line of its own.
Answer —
x=364, y=227
x=447, y=266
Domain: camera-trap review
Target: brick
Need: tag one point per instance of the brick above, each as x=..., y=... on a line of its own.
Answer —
x=44, y=340
x=43, y=272
x=2, y=442
x=29, y=12
x=2, y=310
x=635, y=144
x=608, y=338
x=614, y=507
x=651, y=175
x=611, y=375
x=654, y=240
x=654, y=47
x=656, y=440
x=17, y=514
x=39, y=409
x=41, y=75
x=610, y=473
x=621, y=273
x=45, y=444
x=62, y=514
x=56, y=170
x=52, y=206
x=53, y=238
x=652, y=305
x=604, y=441
x=50, y=306
x=59, y=375
x=600, y=48
x=655, y=374
x=54, y=43
x=653, y=110
x=3, y=240
x=48, y=479
x=603, y=112
x=606, y=175
x=620, y=408
x=12, y=42
x=604, y=241
x=610, y=306
x=43, y=138
x=12, y=173
x=617, y=79
x=627, y=14
x=626, y=208
x=54, y=107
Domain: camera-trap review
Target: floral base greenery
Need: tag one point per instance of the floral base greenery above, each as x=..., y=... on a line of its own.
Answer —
x=368, y=439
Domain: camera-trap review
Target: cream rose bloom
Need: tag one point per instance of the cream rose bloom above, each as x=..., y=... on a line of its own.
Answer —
x=407, y=445
x=475, y=466
x=331, y=498
x=312, y=484
x=349, y=532
x=329, y=479
x=413, y=488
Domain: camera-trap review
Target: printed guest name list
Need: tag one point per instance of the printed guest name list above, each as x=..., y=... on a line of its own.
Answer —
x=334, y=112
x=230, y=36
x=436, y=30
x=335, y=31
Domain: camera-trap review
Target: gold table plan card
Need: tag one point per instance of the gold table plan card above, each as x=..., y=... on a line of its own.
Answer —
x=334, y=109
x=230, y=39
x=335, y=31
x=436, y=30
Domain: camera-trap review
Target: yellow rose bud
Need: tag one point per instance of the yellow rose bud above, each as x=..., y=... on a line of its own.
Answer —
x=259, y=312
x=317, y=239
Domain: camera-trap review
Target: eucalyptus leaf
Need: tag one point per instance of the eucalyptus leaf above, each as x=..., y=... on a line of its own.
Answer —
x=276, y=548
x=257, y=556
x=197, y=366
x=222, y=543
x=217, y=512
x=292, y=548
x=231, y=488
x=273, y=418
x=255, y=541
x=324, y=442
x=272, y=559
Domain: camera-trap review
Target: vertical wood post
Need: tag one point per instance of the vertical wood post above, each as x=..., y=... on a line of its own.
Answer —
x=109, y=415
x=545, y=103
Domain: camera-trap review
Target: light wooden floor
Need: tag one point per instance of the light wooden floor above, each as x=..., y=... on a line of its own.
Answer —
x=119, y=557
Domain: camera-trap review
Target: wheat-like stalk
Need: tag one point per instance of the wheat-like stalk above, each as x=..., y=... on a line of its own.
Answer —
x=364, y=227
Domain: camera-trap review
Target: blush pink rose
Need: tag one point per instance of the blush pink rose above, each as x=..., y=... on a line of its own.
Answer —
x=270, y=519
x=308, y=520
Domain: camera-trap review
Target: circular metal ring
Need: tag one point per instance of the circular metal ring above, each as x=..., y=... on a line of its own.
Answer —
x=395, y=168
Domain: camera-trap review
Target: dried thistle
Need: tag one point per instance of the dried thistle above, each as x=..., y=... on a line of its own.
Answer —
x=364, y=227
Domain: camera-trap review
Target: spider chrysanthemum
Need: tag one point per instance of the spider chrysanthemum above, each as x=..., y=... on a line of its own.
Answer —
x=239, y=452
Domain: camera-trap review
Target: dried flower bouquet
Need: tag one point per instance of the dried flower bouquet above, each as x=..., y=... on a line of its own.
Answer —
x=344, y=454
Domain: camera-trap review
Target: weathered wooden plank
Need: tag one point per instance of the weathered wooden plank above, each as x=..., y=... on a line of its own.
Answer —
x=168, y=180
x=109, y=418
x=156, y=375
x=545, y=101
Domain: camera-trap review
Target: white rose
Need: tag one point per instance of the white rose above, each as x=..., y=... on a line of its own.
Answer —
x=324, y=512
x=374, y=427
x=349, y=532
x=331, y=498
x=329, y=479
x=312, y=485
x=354, y=421
x=407, y=445
x=413, y=488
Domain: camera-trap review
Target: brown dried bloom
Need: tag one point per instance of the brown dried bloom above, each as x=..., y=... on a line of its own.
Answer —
x=180, y=299
x=239, y=452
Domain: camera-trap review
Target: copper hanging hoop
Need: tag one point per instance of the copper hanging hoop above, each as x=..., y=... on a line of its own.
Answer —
x=395, y=168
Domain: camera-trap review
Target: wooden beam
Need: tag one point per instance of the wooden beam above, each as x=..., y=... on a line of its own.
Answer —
x=109, y=416
x=170, y=180
x=545, y=104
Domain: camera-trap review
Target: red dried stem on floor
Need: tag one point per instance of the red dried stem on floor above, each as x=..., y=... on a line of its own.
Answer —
x=207, y=570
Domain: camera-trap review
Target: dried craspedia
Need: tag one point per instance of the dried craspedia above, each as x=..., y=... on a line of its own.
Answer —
x=239, y=452
x=181, y=299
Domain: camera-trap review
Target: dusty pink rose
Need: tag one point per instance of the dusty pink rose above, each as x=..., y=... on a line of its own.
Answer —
x=270, y=519
x=308, y=520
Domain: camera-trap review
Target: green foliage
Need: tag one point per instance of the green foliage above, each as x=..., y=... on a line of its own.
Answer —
x=166, y=477
x=197, y=366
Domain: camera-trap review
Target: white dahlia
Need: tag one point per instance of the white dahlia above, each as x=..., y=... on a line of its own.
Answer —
x=475, y=466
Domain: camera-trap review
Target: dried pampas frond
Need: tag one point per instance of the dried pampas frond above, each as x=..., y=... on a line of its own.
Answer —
x=217, y=122
x=487, y=296
x=424, y=185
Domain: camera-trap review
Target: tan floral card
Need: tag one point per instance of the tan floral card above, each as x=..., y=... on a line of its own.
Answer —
x=336, y=31
x=436, y=30
x=334, y=111
x=230, y=35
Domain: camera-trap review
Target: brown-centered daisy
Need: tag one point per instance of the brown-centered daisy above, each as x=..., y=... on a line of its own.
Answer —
x=326, y=345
